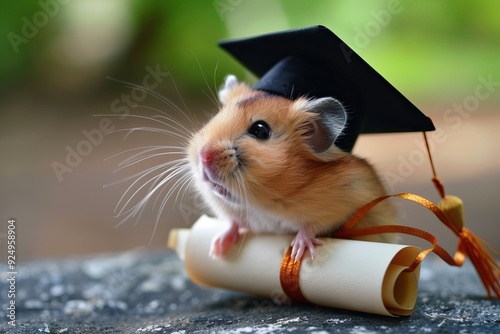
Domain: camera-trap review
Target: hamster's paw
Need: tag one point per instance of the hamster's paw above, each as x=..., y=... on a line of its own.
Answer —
x=223, y=241
x=304, y=240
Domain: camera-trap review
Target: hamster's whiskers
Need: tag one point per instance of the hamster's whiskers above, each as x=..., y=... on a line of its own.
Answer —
x=242, y=197
x=139, y=157
x=168, y=102
x=181, y=132
x=165, y=181
x=213, y=92
x=170, y=170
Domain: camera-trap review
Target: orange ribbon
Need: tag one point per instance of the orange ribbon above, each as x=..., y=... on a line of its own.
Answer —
x=289, y=277
x=469, y=244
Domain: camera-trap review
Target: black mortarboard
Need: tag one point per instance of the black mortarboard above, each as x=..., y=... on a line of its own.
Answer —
x=314, y=62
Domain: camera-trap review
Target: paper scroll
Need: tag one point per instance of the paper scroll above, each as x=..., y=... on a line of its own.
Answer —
x=347, y=274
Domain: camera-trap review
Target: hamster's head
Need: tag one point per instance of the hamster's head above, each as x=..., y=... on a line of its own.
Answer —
x=262, y=148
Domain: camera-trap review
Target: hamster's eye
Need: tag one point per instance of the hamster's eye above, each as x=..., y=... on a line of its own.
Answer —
x=260, y=130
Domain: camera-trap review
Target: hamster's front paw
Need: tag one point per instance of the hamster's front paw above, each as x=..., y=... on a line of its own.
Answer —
x=223, y=241
x=304, y=240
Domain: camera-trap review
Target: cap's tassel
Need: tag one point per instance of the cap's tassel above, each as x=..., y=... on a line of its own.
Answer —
x=469, y=244
x=452, y=206
x=486, y=266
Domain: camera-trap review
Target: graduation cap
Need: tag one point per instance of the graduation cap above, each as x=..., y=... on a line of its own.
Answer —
x=314, y=62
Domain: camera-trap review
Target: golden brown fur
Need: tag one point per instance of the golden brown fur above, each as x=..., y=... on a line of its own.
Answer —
x=281, y=184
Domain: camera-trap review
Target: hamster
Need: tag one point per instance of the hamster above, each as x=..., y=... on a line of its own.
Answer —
x=270, y=165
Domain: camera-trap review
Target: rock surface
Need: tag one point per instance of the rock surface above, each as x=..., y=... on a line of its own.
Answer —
x=145, y=291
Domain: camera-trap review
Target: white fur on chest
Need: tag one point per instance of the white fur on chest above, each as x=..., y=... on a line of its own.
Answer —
x=258, y=221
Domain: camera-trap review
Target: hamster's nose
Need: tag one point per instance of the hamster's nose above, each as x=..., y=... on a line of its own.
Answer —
x=207, y=156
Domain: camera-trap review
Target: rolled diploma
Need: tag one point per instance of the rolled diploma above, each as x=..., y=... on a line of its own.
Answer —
x=348, y=274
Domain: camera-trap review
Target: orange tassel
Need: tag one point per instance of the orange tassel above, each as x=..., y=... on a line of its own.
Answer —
x=486, y=266
x=452, y=207
x=468, y=244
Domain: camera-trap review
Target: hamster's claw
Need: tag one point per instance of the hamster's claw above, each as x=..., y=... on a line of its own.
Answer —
x=223, y=241
x=304, y=240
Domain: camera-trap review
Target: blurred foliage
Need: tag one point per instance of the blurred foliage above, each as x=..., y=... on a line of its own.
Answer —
x=432, y=49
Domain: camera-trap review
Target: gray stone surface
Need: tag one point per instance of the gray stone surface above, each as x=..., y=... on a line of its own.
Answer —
x=144, y=291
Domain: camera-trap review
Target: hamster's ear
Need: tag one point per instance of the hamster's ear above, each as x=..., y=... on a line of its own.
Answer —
x=328, y=124
x=229, y=83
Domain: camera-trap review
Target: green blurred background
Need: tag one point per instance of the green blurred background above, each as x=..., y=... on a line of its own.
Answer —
x=55, y=57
